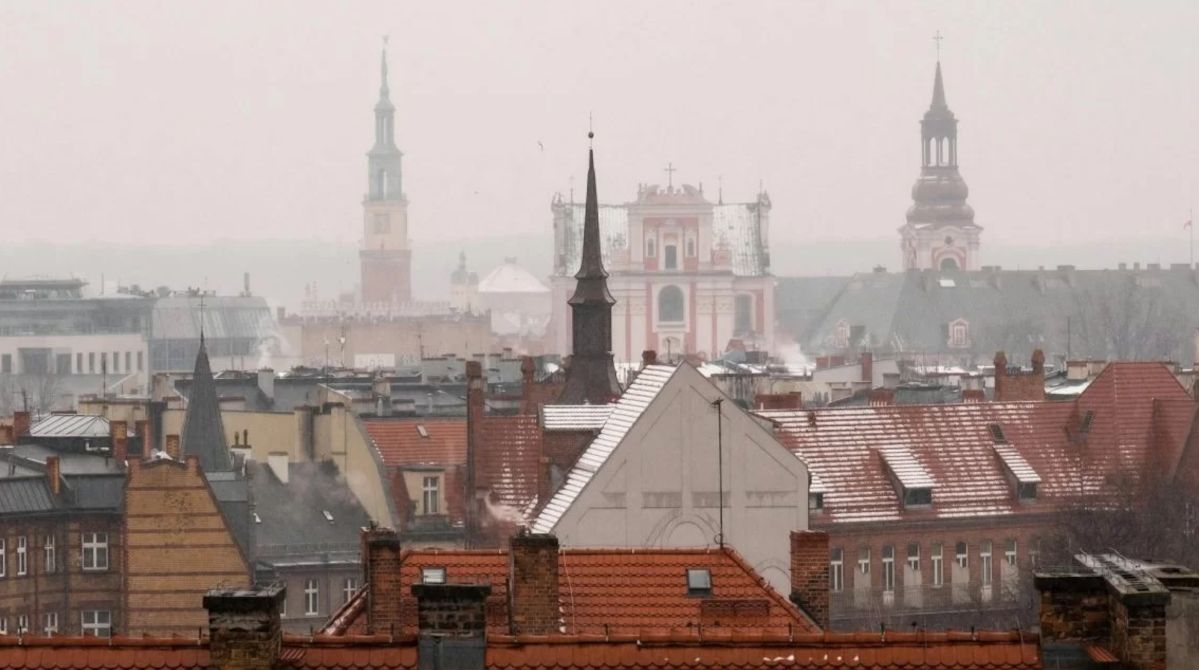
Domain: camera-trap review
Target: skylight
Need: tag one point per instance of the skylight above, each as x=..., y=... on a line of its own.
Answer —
x=699, y=582
x=432, y=575
x=946, y=282
x=257, y=519
x=997, y=435
x=420, y=428
x=328, y=515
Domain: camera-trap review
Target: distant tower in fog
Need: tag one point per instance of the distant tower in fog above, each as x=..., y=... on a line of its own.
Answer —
x=940, y=232
x=385, y=258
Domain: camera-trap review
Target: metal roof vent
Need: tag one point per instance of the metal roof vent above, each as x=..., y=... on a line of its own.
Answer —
x=435, y=575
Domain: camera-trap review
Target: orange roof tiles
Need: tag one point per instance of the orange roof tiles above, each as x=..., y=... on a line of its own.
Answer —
x=510, y=459
x=693, y=648
x=400, y=442
x=1137, y=409
x=651, y=593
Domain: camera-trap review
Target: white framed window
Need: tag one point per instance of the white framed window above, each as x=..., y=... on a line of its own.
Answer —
x=3, y=558
x=50, y=623
x=864, y=561
x=431, y=494
x=1009, y=551
x=349, y=587
x=914, y=556
x=888, y=568
x=95, y=551
x=959, y=334
x=51, y=554
x=22, y=555
x=836, y=570
x=97, y=623
x=22, y=624
x=937, y=555
x=312, y=597
x=961, y=556
x=984, y=555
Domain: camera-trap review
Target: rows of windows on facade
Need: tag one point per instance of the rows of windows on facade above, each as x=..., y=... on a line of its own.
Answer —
x=957, y=577
x=21, y=561
x=92, y=362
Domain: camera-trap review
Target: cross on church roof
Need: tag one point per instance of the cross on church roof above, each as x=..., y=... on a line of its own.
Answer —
x=670, y=170
x=937, y=38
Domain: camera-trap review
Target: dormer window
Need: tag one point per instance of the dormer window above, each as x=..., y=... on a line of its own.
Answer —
x=432, y=575
x=699, y=582
x=997, y=435
x=912, y=482
x=1020, y=475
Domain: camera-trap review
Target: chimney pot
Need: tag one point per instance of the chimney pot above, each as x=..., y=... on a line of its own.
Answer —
x=533, y=574
x=381, y=572
x=54, y=474
x=172, y=446
x=118, y=439
x=21, y=423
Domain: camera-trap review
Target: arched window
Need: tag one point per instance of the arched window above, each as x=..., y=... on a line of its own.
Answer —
x=743, y=317
x=381, y=183
x=949, y=264
x=672, y=257
x=670, y=304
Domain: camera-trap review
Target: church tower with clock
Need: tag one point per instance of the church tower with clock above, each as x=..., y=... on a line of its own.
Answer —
x=386, y=256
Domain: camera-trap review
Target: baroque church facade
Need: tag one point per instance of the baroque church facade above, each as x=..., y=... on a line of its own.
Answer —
x=940, y=233
x=688, y=276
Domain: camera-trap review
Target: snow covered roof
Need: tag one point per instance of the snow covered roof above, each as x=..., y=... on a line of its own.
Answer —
x=575, y=417
x=511, y=278
x=625, y=412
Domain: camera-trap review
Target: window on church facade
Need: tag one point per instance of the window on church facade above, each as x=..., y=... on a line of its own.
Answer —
x=691, y=247
x=649, y=247
x=672, y=257
x=949, y=264
x=743, y=321
x=670, y=304
x=381, y=183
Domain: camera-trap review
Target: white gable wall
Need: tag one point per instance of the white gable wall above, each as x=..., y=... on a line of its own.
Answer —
x=659, y=487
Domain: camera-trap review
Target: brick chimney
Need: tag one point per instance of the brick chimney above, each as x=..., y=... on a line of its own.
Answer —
x=20, y=426
x=809, y=574
x=792, y=400
x=533, y=576
x=243, y=627
x=172, y=446
x=476, y=387
x=528, y=370
x=973, y=395
x=118, y=440
x=381, y=572
x=649, y=357
x=54, y=474
x=141, y=428
x=1020, y=385
x=867, y=362
x=452, y=622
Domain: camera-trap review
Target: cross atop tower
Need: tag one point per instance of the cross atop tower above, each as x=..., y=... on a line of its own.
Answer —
x=937, y=38
x=670, y=170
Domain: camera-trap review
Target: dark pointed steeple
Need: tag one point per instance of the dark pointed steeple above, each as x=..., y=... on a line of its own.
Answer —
x=938, y=103
x=592, y=374
x=384, y=158
x=203, y=430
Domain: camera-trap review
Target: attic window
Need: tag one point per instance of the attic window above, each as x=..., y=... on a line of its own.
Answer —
x=1026, y=491
x=420, y=428
x=328, y=515
x=1086, y=422
x=699, y=582
x=997, y=435
x=913, y=484
x=432, y=575
x=917, y=497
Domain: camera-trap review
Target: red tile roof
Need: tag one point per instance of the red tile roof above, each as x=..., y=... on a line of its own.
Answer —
x=650, y=594
x=694, y=649
x=1137, y=410
x=399, y=441
x=510, y=459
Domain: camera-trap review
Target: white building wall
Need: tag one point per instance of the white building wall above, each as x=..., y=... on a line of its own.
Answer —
x=660, y=485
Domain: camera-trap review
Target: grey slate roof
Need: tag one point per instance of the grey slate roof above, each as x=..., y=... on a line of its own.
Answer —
x=25, y=495
x=70, y=425
x=293, y=520
x=1121, y=314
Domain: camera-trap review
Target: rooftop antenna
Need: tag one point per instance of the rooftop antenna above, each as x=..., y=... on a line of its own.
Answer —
x=719, y=405
x=937, y=38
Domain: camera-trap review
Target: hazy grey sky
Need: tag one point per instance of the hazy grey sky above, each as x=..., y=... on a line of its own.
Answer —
x=172, y=122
